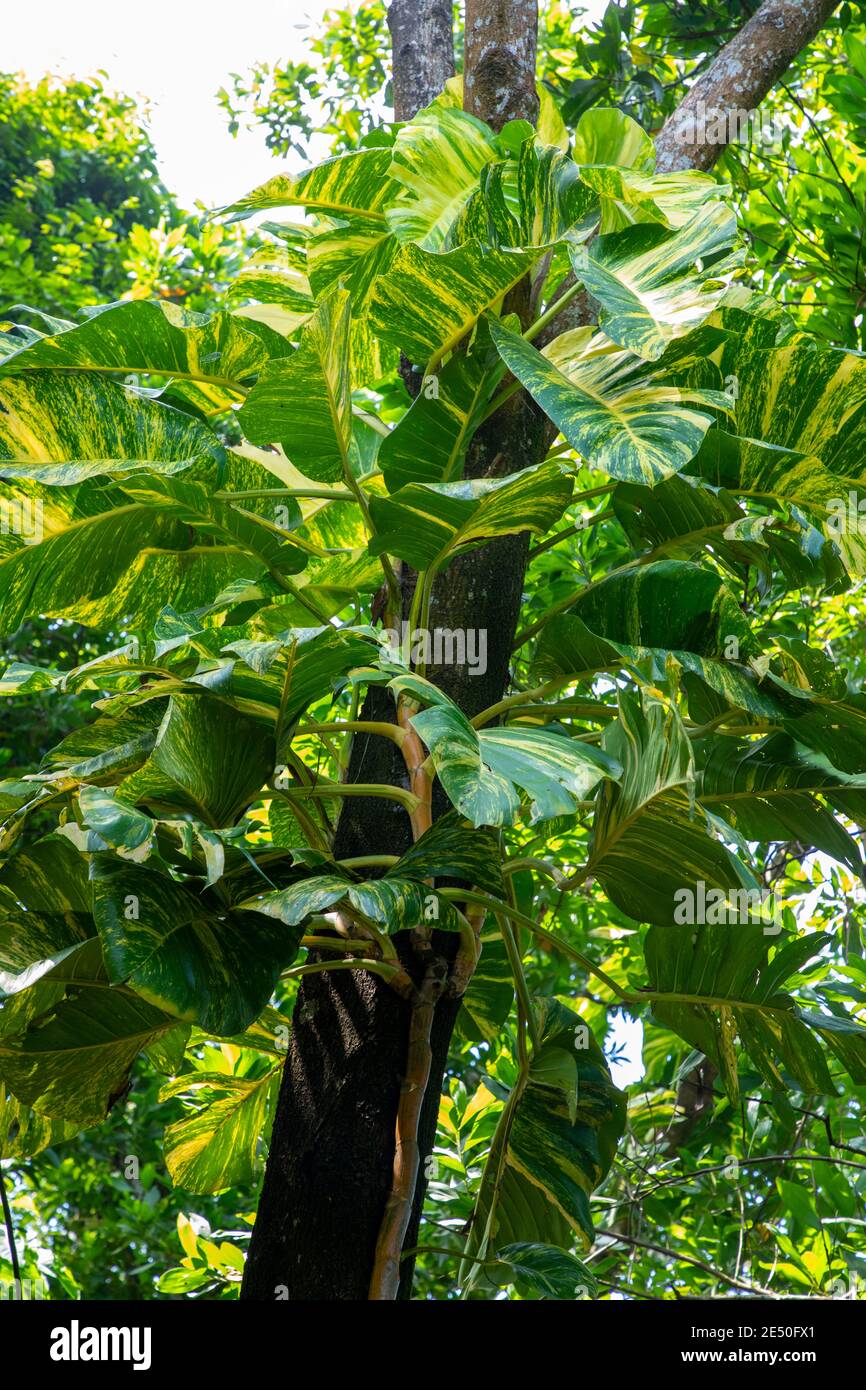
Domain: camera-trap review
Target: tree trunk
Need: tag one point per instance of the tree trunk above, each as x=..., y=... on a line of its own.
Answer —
x=329, y=1171
x=422, y=48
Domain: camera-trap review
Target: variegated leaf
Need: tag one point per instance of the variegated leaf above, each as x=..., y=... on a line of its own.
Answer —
x=437, y=159
x=621, y=414
x=218, y=1141
x=427, y=303
x=484, y=771
x=649, y=840
x=143, y=336
x=185, y=952
x=304, y=401
x=655, y=285
x=424, y=523
x=555, y=1142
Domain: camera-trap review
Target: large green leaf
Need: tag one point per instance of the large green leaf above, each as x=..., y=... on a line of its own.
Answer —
x=670, y=604
x=606, y=135
x=803, y=465
x=554, y=1143
x=51, y=419
x=429, y=444
x=424, y=523
x=620, y=413
x=277, y=276
x=217, y=1143
x=489, y=998
x=351, y=244
x=628, y=196
x=453, y=849
x=436, y=159
x=195, y=767
x=533, y=202
x=542, y=1271
x=44, y=903
x=103, y=553
x=402, y=898
x=774, y=790
x=732, y=968
x=805, y=398
x=23, y=1133
x=484, y=771
x=72, y=1060
x=568, y=647
x=304, y=401
x=143, y=336
x=426, y=303
x=649, y=841
x=394, y=902
x=341, y=187
x=186, y=953
x=655, y=285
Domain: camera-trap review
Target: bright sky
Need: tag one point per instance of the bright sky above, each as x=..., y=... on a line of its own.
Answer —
x=177, y=54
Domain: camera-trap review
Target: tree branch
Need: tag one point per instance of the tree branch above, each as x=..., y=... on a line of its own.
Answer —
x=737, y=80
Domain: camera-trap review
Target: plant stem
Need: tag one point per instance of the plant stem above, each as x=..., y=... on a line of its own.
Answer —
x=288, y=587
x=358, y=726
x=370, y=861
x=420, y=784
x=495, y=906
x=391, y=973
x=521, y=697
x=327, y=494
x=550, y=313
x=515, y=960
x=583, y=525
x=330, y=943
x=385, y=1279
x=326, y=789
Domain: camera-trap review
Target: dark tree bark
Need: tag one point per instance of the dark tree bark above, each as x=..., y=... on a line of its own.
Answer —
x=422, y=48
x=499, y=71
x=329, y=1170
x=738, y=79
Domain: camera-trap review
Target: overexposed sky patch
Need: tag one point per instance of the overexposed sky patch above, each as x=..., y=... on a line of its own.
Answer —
x=176, y=54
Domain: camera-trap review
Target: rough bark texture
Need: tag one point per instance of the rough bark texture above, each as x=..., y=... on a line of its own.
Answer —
x=329, y=1170
x=738, y=79
x=423, y=53
x=499, y=70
